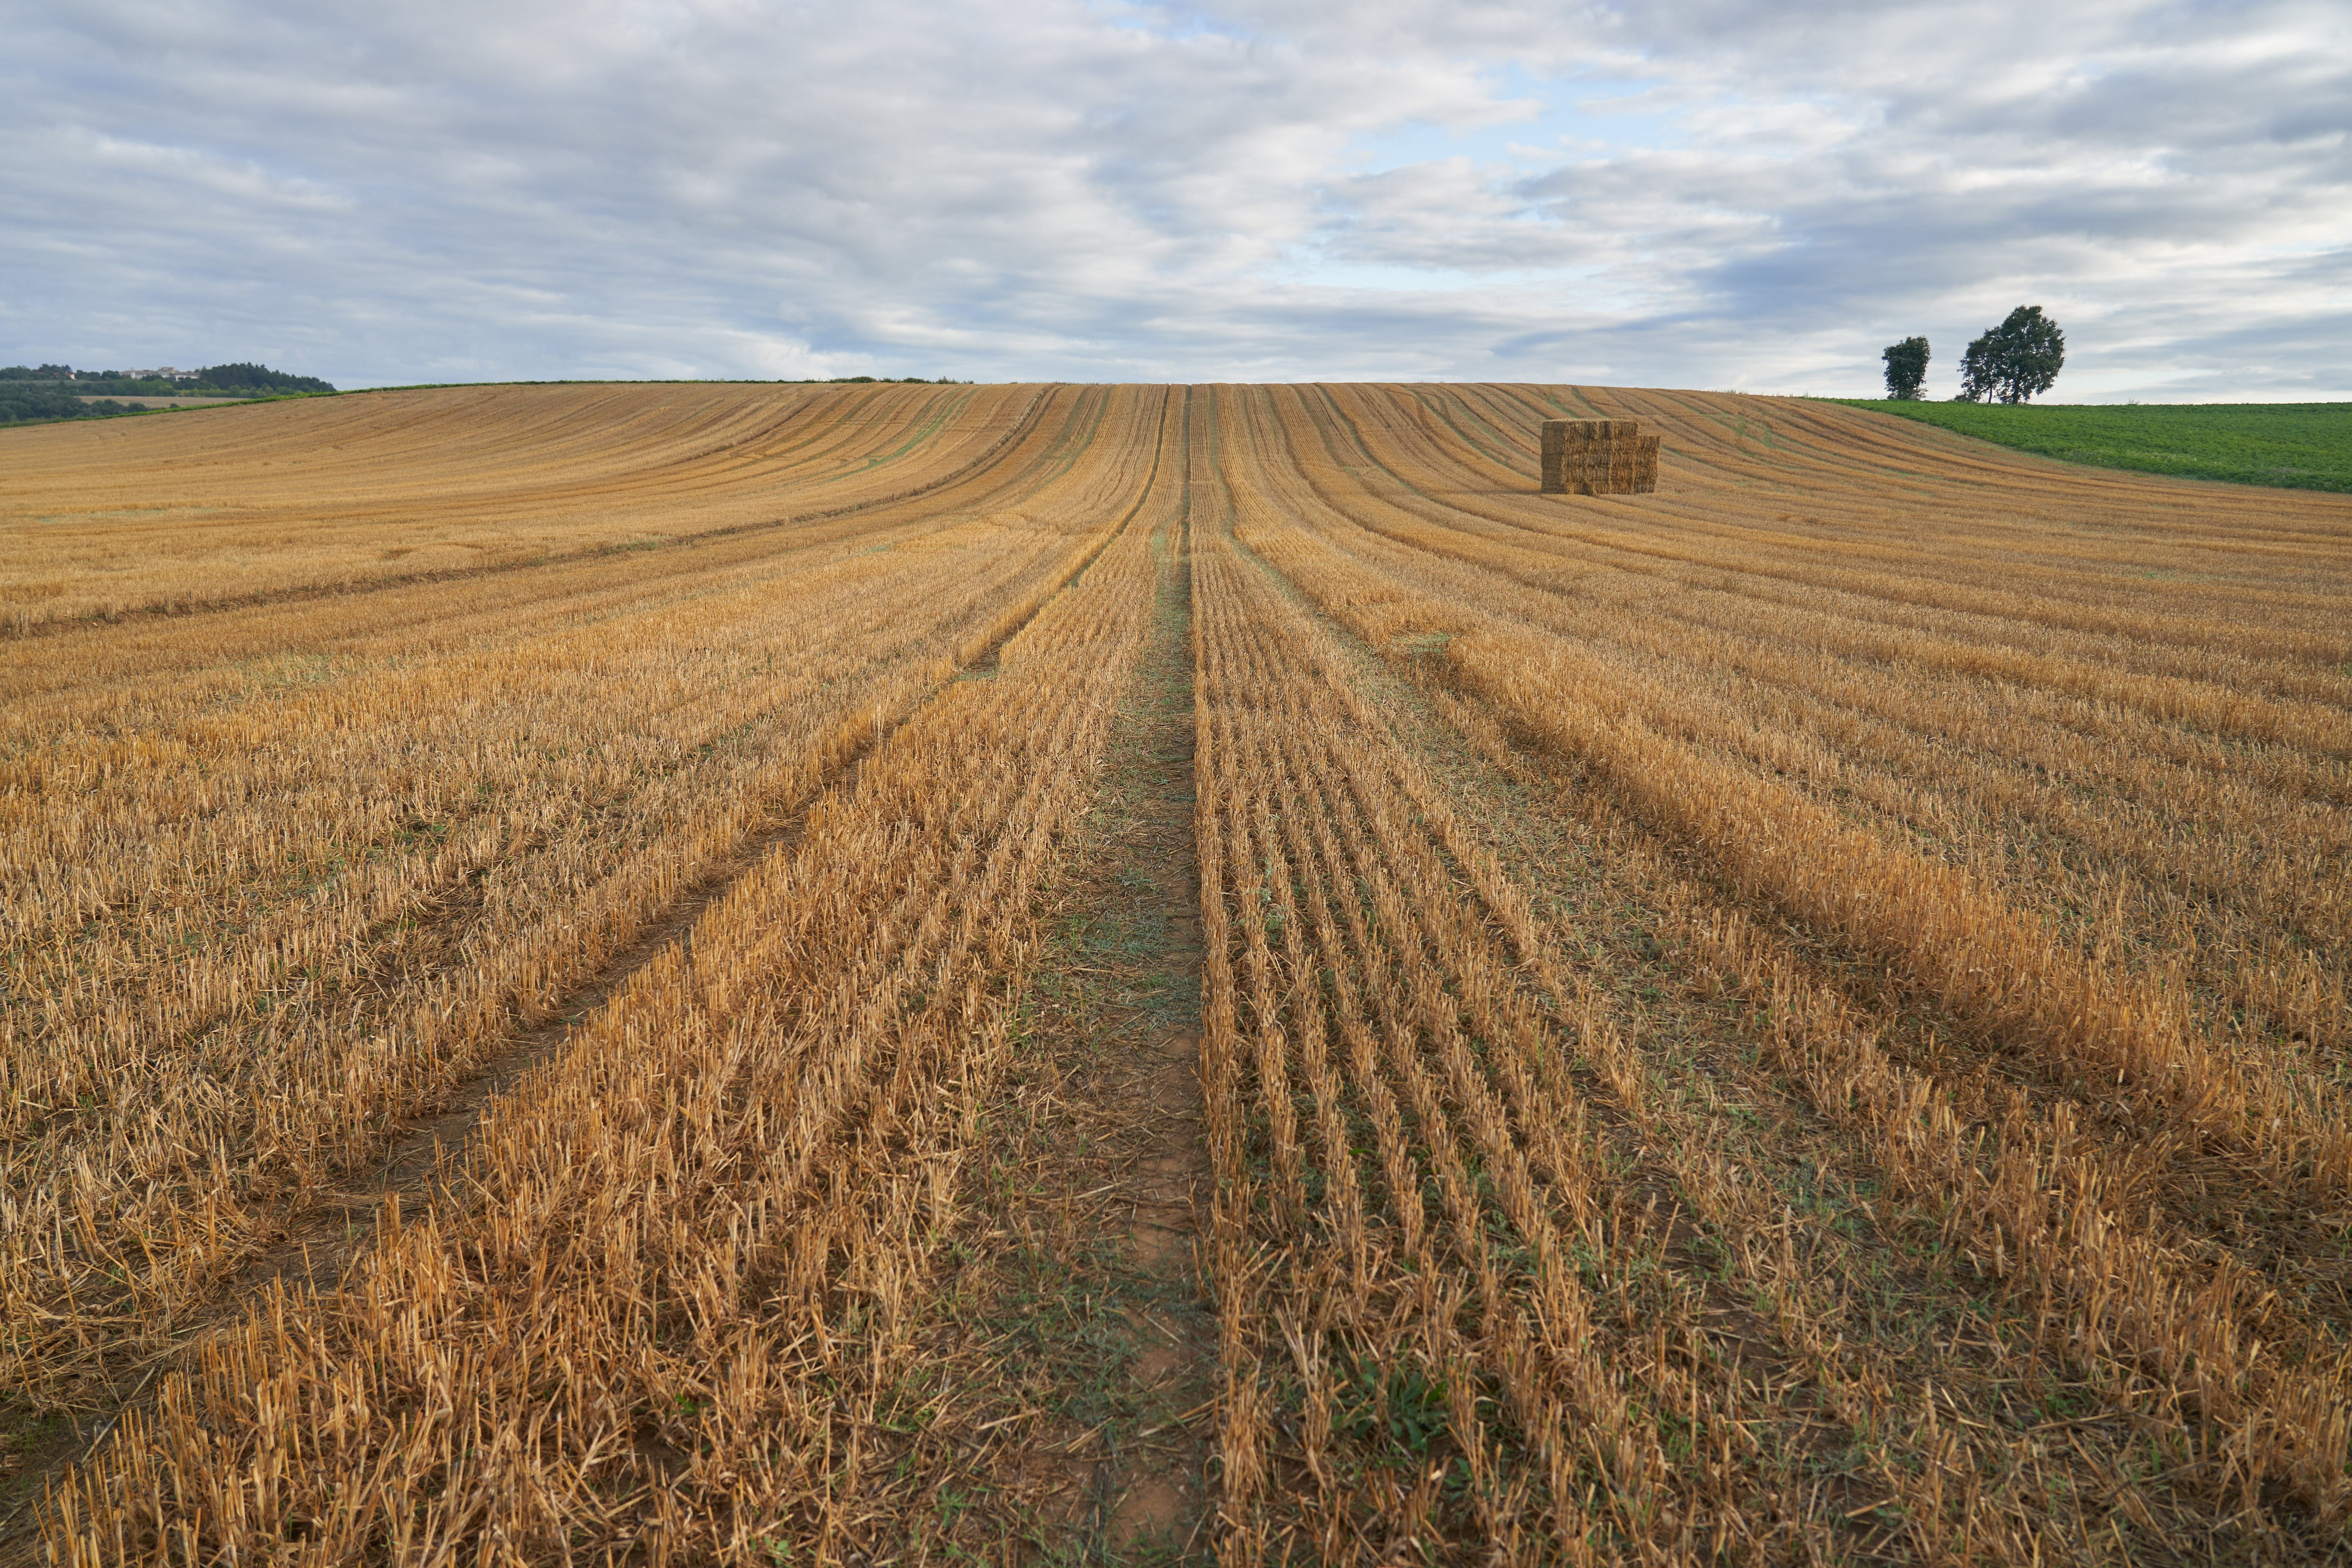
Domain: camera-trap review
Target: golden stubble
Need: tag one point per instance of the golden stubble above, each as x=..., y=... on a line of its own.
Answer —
x=1791, y=1017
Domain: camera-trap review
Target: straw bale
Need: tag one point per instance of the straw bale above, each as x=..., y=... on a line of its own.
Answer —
x=1598, y=457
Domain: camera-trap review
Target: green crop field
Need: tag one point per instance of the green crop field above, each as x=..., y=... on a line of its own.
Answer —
x=2301, y=446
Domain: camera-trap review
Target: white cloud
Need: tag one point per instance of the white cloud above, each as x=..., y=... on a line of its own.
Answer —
x=1712, y=194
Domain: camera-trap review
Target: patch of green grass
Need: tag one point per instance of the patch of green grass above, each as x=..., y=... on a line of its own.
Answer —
x=2297, y=446
x=1392, y=1408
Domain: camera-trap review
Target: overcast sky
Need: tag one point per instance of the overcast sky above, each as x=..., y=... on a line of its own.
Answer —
x=1724, y=193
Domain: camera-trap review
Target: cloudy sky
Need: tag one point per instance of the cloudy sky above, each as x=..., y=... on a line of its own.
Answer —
x=1713, y=192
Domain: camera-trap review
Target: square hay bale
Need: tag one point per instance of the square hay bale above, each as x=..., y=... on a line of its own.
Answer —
x=1598, y=457
x=1568, y=452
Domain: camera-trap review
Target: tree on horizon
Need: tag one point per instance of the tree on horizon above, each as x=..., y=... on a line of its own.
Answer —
x=1906, y=368
x=2015, y=361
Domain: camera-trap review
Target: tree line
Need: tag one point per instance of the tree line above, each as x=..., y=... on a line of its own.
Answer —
x=60, y=391
x=2013, y=363
x=242, y=376
x=20, y=403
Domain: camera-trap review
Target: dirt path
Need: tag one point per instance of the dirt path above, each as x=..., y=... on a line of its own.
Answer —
x=1076, y=1341
x=1128, y=1009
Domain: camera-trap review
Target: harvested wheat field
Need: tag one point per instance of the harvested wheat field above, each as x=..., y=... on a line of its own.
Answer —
x=861, y=975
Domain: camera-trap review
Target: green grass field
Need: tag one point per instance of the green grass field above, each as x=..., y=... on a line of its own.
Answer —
x=2302, y=446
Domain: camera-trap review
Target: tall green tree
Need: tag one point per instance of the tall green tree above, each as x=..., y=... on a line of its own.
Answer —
x=2014, y=361
x=1906, y=368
